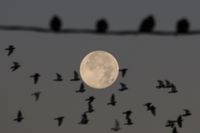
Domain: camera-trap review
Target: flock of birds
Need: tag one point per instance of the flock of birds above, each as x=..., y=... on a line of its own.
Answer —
x=166, y=84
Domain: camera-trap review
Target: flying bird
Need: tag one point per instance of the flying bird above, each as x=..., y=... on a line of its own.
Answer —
x=147, y=24
x=170, y=123
x=116, y=126
x=19, y=117
x=15, y=66
x=174, y=130
x=187, y=113
x=60, y=120
x=112, y=100
x=168, y=84
x=127, y=116
x=90, y=106
x=58, y=77
x=160, y=84
x=148, y=105
x=123, y=87
x=123, y=71
x=90, y=99
x=36, y=95
x=35, y=77
x=173, y=89
x=55, y=24
x=101, y=26
x=10, y=49
x=182, y=26
x=81, y=89
x=180, y=121
x=151, y=108
x=76, y=77
x=84, y=119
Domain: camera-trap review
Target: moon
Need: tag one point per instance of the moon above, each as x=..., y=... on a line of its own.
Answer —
x=99, y=69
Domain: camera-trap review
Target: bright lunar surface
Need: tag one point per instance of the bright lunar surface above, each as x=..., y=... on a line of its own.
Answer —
x=99, y=69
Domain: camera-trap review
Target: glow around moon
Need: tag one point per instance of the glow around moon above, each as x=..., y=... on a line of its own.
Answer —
x=99, y=69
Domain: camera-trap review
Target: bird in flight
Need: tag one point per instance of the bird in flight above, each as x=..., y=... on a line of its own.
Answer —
x=147, y=24
x=173, y=89
x=123, y=87
x=60, y=120
x=180, y=121
x=10, y=49
x=76, y=76
x=123, y=71
x=84, y=119
x=19, y=117
x=174, y=130
x=127, y=116
x=116, y=126
x=160, y=84
x=15, y=66
x=170, y=123
x=112, y=100
x=168, y=84
x=90, y=106
x=81, y=89
x=35, y=77
x=58, y=77
x=151, y=108
x=36, y=95
x=187, y=113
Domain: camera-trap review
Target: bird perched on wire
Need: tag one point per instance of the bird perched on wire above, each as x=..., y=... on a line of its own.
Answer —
x=102, y=26
x=10, y=49
x=182, y=26
x=19, y=116
x=15, y=66
x=55, y=24
x=60, y=120
x=147, y=25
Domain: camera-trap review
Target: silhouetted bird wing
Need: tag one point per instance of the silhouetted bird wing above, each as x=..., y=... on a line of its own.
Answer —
x=187, y=112
x=58, y=76
x=160, y=84
x=179, y=121
x=148, y=105
x=174, y=130
x=19, y=115
x=153, y=110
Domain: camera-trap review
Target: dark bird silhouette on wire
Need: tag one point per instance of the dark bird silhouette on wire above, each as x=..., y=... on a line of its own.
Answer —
x=36, y=95
x=60, y=120
x=58, y=77
x=90, y=106
x=180, y=121
x=116, y=126
x=147, y=25
x=55, y=24
x=10, y=49
x=101, y=26
x=151, y=108
x=35, y=77
x=160, y=84
x=112, y=100
x=81, y=89
x=123, y=71
x=84, y=119
x=182, y=26
x=15, y=66
x=187, y=113
x=123, y=87
x=173, y=89
x=170, y=123
x=76, y=77
x=19, y=116
x=127, y=116
x=174, y=130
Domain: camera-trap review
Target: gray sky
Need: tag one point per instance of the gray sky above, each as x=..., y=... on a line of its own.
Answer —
x=148, y=59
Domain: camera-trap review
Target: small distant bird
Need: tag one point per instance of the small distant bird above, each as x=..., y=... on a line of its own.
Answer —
x=170, y=123
x=160, y=84
x=101, y=26
x=35, y=77
x=76, y=77
x=173, y=89
x=167, y=84
x=187, y=113
x=90, y=106
x=123, y=87
x=151, y=108
x=148, y=105
x=55, y=24
x=84, y=119
x=19, y=117
x=180, y=121
x=112, y=100
x=59, y=77
x=60, y=120
x=81, y=89
x=174, y=130
x=117, y=126
x=15, y=66
x=36, y=95
x=182, y=26
x=123, y=71
x=10, y=49
x=90, y=99
x=128, y=119
x=147, y=24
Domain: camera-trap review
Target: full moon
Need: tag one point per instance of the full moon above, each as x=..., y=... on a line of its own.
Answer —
x=99, y=69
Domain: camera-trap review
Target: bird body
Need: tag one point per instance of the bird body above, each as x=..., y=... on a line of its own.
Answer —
x=55, y=24
x=187, y=113
x=123, y=87
x=35, y=77
x=117, y=126
x=102, y=26
x=182, y=26
x=81, y=89
x=128, y=119
x=84, y=119
x=112, y=100
x=60, y=120
x=76, y=77
x=160, y=84
x=37, y=95
x=59, y=77
x=10, y=49
x=179, y=121
x=15, y=66
x=147, y=24
x=123, y=71
x=19, y=117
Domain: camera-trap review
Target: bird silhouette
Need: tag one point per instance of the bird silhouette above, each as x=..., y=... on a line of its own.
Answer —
x=60, y=120
x=19, y=116
x=84, y=119
x=170, y=123
x=36, y=95
x=160, y=84
x=187, y=113
x=151, y=108
x=55, y=24
x=147, y=24
x=10, y=49
x=58, y=77
x=90, y=106
x=173, y=89
x=76, y=77
x=35, y=77
x=168, y=84
x=174, y=130
x=102, y=26
x=112, y=100
x=127, y=116
x=15, y=66
x=123, y=71
x=123, y=87
x=81, y=89
x=116, y=126
x=90, y=99
x=180, y=121
x=148, y=105
x=182, y=26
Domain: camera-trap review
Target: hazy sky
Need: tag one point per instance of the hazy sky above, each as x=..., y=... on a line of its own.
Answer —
x=148, y=59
